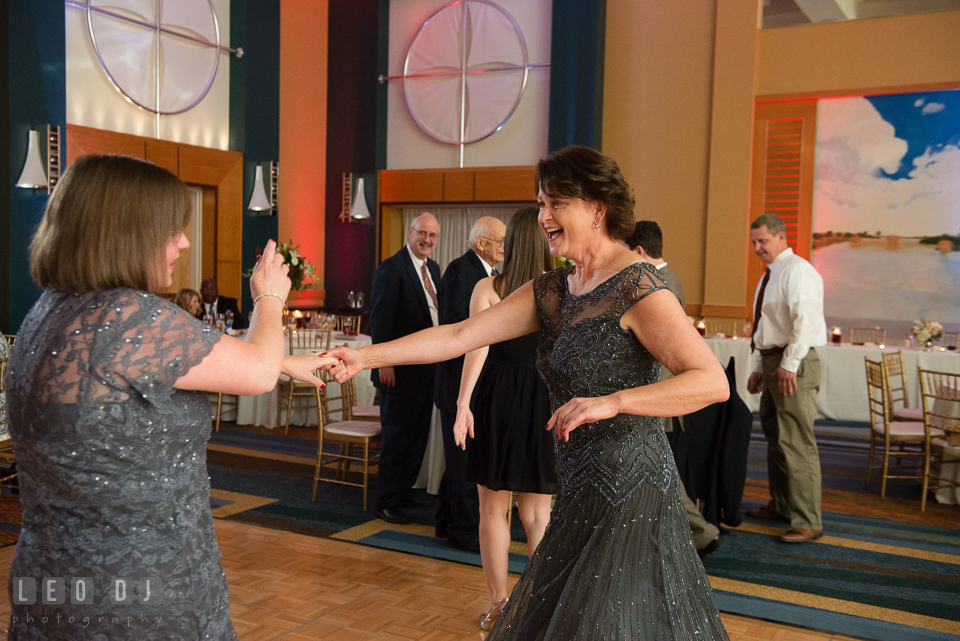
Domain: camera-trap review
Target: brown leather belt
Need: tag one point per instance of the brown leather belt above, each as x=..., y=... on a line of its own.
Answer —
x=772, y=351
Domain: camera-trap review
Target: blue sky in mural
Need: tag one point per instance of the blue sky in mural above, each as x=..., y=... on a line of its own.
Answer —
x=887, y=178
x=937, y=126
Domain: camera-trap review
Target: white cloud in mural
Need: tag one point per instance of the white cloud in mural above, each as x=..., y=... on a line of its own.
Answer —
x=932, y=108
x=918, y=102
x=854, y=143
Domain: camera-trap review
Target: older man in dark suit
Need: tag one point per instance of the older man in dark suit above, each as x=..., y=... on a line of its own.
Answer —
x=647, y=241
x=404, y=300
x=458, y=517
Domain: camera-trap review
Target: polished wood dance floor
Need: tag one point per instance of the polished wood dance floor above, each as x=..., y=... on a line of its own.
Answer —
x=296, y=587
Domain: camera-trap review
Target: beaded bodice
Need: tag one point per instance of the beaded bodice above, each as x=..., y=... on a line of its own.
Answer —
x=585, y=352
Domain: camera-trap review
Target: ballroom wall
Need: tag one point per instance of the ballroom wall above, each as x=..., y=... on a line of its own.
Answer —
x=680, y=83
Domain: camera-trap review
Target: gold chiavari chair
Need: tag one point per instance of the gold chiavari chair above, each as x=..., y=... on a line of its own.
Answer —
x=346, y=323
x=863, y=335
x=346, y=433
x=11, y=339
x=941, y=419
x=908, y=436
x=951, y=339
x=301, y=341
x=725, y=326
x=897, y=393
x=231, y=403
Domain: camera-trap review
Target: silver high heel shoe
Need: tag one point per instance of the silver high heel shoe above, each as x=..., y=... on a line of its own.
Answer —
x=488, y=618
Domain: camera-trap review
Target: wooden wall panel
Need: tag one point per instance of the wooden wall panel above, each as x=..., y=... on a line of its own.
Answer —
x=458, y=186
x=87, y=140
x=505, y=184
x=163, y=153
x=411, y=186
x=229, y=278
x=209, y=253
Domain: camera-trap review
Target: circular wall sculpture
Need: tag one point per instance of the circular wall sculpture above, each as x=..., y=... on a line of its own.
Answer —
x=161, y=55
x=465, y=71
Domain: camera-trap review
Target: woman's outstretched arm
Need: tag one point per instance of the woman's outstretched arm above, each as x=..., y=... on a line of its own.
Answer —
x=515, y=316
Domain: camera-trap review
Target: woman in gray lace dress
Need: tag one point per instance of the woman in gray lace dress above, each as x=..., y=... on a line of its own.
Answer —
x=617, y=560
x=108, y=425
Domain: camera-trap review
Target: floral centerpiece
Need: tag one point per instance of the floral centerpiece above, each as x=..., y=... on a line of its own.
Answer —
x=924, y=331
x=301, y=269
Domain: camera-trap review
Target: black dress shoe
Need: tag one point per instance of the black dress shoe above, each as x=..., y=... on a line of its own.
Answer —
x=393, y=515
x=440, y=531
x=711, y=547
x=416, y=498
x=465, y=543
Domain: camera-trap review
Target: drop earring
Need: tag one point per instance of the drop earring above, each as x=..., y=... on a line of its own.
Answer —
x=596, y=224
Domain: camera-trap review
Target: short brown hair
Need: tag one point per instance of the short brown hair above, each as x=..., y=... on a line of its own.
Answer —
x=526, y=252
x=772, y=222
x=107, y=225
x=581, y=172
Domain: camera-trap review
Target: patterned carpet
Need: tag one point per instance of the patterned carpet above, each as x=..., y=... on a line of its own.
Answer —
x=883, y=571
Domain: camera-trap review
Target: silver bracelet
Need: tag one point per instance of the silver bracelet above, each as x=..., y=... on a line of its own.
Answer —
x=277, y=296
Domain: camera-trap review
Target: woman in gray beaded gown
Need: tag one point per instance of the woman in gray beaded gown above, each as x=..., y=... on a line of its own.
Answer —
x=617, y=560
x=108, y=428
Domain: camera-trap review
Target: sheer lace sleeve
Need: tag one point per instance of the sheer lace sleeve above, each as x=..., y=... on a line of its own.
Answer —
x=634, y=284
x=102, y=347
x=157, y=343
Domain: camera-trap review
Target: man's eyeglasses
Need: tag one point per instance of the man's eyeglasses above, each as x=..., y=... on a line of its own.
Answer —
x=493, y=240
x=424, y=234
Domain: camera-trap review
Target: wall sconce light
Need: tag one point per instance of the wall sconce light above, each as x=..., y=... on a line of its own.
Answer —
x=34, y=176
x=354, y=205
x=264, y=199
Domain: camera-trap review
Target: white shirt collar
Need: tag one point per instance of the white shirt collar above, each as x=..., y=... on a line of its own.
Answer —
x=417, y=262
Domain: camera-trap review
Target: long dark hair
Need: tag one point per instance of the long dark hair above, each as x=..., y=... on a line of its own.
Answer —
x=526, y=253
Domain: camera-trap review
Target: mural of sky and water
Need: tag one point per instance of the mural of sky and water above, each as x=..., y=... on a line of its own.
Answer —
x=887, y=209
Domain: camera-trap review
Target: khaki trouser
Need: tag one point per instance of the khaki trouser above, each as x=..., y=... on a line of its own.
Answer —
x=703, y=531
x=793, y=462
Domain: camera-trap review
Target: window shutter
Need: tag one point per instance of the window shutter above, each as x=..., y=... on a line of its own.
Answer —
x=784, y=147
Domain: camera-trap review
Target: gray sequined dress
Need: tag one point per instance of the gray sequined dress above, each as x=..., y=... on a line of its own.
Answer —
x=617, y=561
x=112, y=463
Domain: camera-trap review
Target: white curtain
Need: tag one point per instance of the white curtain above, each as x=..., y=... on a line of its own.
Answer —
x=455, y=225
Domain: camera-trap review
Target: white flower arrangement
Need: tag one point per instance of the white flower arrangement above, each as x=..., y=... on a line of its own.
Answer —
x=924, y=330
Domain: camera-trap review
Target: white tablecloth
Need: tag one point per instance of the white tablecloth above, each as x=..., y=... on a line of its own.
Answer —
x=843, y=383
x=262, y=410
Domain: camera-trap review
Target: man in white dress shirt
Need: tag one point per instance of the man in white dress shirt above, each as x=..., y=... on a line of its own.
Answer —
x=788, y=326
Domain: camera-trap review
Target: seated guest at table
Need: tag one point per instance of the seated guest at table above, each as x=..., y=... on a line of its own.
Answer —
x=214, y=304
x=512, y=451
x=189, y=299
x=458, y=516
x=647, y=242
x=403, y=301
x=788, y=326
x=109, y=415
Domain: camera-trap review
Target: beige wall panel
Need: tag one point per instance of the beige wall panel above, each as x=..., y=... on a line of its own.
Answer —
x=656, y=119
x=728, y=197
x=229, y=280
x=856, y=56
